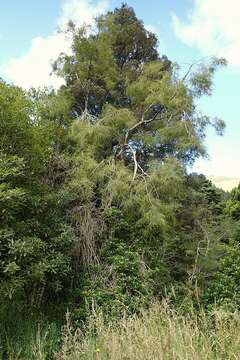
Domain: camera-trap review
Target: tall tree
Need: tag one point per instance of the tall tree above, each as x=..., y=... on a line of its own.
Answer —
x=119, y=65
x=136, y=128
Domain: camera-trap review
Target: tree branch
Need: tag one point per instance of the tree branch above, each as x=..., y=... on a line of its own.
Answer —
x=135, y=162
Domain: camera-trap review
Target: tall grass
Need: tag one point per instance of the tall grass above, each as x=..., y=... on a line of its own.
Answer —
x=160, y=333
x=25, y=335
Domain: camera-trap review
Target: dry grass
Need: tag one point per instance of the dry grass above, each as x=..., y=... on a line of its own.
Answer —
x=159, y=334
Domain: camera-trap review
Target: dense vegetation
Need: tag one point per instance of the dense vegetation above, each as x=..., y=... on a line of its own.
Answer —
x=97, y=205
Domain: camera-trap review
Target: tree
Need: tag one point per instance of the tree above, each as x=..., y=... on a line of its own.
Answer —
x=96, y=72
x=223, y=288
x=103, y=72
x=34, y=236
x=233, y=205
x=135, y=129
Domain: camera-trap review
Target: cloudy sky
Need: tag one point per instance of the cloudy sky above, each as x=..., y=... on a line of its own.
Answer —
x=187, y=29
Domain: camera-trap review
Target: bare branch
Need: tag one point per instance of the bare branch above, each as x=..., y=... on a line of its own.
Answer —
x=192, y=65
x=135, y=162
x=143, y=172
x=142, y=122
x=188, y=71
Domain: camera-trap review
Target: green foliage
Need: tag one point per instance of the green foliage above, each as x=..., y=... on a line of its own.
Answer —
x=224, y=285
x=224, y=288
x=16, y=134
x=96, y=204
x=233, y=205
x=34, y=244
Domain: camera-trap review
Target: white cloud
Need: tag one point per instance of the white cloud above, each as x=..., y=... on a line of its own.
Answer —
x=213, y=27
x=219, y=164
x=81, y=11
x=152, y=28
x=34, y=67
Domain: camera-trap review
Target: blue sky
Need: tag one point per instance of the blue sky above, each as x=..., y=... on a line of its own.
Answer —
x=187, y=29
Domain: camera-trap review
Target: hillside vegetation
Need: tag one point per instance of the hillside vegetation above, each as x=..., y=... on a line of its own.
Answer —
x=97, y=207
